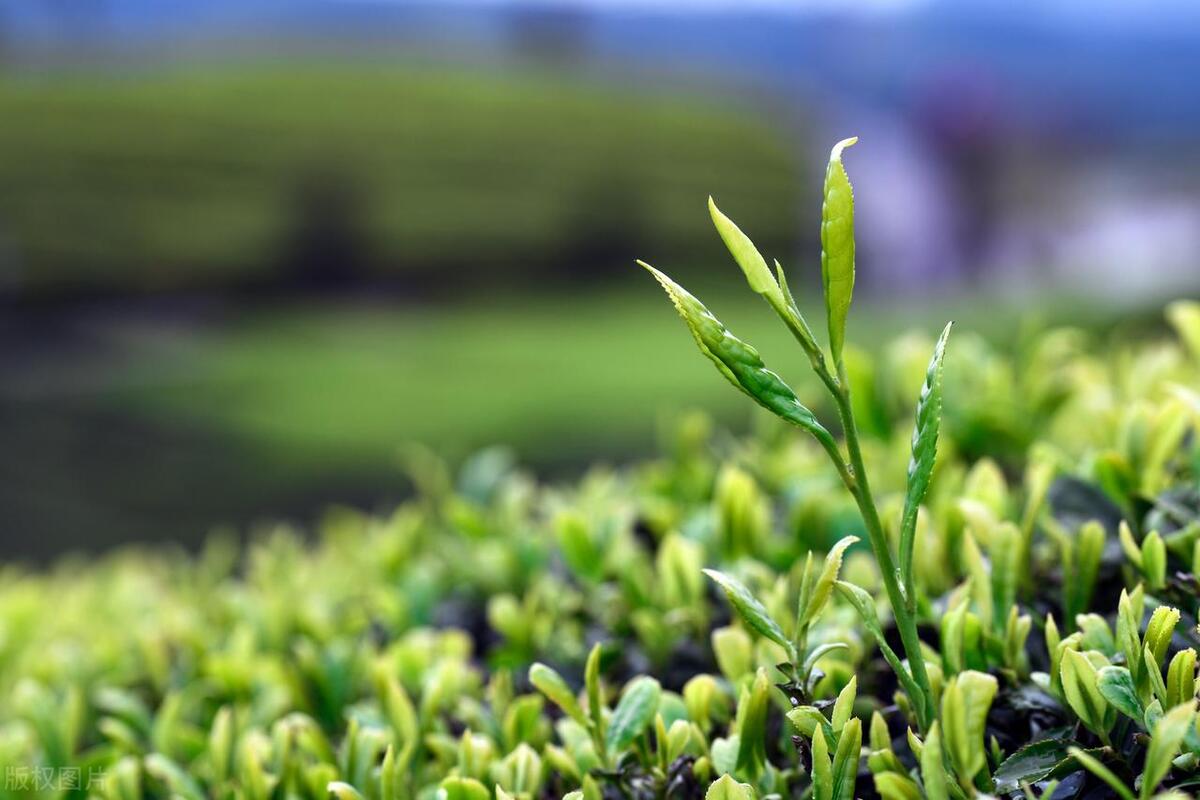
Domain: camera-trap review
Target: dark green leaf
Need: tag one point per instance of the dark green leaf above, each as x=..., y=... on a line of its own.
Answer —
x=1032, y=763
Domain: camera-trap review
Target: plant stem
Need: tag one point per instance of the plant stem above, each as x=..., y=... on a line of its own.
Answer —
x=902, y=599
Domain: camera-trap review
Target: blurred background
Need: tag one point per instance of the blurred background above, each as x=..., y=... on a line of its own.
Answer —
x=249, y=249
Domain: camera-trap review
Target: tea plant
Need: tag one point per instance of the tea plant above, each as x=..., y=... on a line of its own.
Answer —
x=741, y=365
x=1012, y=615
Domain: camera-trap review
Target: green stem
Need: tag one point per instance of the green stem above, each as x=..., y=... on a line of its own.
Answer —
x=902, y=599
x=854, y=476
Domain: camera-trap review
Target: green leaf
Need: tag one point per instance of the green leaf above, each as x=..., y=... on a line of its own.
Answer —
x=829, y=573
x=965, y=703
x=820, y=651
x=1153, y=675
x=221, y=741
x=758, y=274
x=736, y=360
x=1154, y=560
x=795, y=321
x=591, y=680
x=1164, y=745
x=924, y=452
x=1094, y=766
x=1117, y=686
x=178, y=781
x=1032, y=763
x=837, y=247
x=1181, y=678
x=1080, y=686
x=933, y=767
x=864, y=604
x=1004, y=552
x=752, y=728
x=1159, y=631
x=844, y=706
x=808, y=719
x=551, y=684
x=894, y=786
x=845, y=760
x=726, y=788
x=734, y=651
x=1082, y=559
x=461, y=789
x=751, y=611
x=1128, y=640
x=1184, y=316
x=822, y=769
x=633, y=713
x=724, y=754
x=344, y=791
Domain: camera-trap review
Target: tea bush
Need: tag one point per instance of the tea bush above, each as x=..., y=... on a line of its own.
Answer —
x=999, y=599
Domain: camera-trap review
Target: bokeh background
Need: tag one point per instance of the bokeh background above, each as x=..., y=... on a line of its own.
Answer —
x=254, y=252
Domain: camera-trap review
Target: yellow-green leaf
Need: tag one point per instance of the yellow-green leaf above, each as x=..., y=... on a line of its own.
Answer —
x=965, y=703
x=551, y=684
x=837, y=247
x=1165, y=740
x=933, y=768
x=751, y=611
x=758, y=274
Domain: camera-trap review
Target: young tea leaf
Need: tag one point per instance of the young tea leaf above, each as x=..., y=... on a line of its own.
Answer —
x=843, y=707
x=965, y=703
x=1080, y=679
x=758, y=274
x=822, y=769
x=551, y=684
x=737, y=360
x=845, y=760
x=462, y=789
x=591, y=680
x=751, y=611
x=752, y=728
x=1117, y=687
x=1164, y=745
x=633, y=713
x=344, y=791
x=1181, y=678
x=1159, y=631
x=1097, y=768
x=726, y=788
x=837, y=247
x=865, y=606
x=933, y=767
x=896, y=786
x=824, y=585
x=924, y=452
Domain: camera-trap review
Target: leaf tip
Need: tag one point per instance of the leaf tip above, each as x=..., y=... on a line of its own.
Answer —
x=836, y=153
